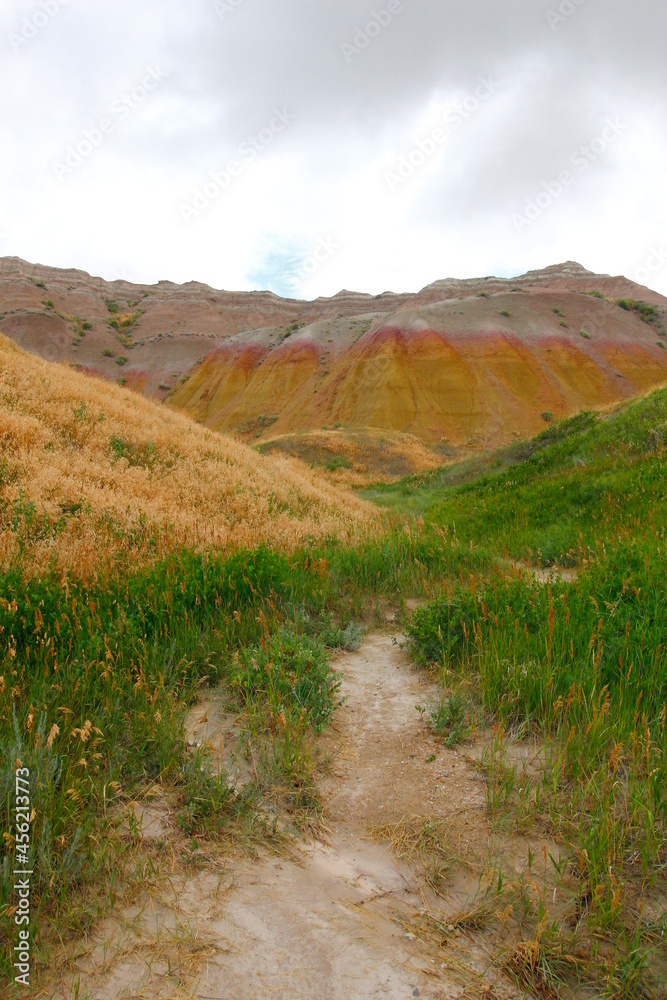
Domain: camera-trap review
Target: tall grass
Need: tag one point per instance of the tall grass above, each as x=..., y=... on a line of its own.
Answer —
x=579, y=665
x=96, y=677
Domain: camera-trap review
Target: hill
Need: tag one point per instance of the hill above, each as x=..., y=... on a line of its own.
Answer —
x=459, y=374
x=90, y=471
x=462, y=364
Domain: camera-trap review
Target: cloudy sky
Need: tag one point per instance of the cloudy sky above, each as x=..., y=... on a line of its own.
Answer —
x=311, y=145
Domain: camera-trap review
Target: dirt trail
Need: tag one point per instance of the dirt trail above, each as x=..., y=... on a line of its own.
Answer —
x=336, y=921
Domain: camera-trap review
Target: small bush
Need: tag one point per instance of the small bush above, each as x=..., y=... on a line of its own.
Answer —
x=547, y=416
x=121, y=360
x=559, y=312
x=647, y=313
x=208, y=801
x=108, y=353
x=585, y=334
x=449, y=720
x=506, y=313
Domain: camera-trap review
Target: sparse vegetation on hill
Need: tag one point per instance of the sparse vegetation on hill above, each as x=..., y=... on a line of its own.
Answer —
x=357, y=458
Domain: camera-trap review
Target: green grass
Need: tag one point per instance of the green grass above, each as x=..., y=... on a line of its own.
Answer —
x=96, y=679
x=581, y=665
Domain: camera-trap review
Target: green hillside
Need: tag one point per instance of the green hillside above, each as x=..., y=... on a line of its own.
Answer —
x=565, y=639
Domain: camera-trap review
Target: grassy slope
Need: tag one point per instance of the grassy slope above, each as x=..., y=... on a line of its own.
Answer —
x=581, y=665
x=356, y=458
x=88, y=469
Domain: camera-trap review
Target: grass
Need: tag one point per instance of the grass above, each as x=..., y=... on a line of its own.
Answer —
x=579, y=665
x=198, y=490
x=112, y=622
x=97, y=677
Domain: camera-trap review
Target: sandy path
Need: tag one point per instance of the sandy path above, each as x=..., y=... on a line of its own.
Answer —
x=333, y=921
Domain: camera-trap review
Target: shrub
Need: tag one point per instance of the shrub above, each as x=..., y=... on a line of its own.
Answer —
x=108, y=353
x=121, y=360
x=448, y=720
x=547, y=416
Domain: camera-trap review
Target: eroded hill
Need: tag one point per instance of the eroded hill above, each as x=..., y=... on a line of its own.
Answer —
x=460, y=365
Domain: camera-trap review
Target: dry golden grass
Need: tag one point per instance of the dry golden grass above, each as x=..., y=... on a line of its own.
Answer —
x=88, y=469
x=358, y=458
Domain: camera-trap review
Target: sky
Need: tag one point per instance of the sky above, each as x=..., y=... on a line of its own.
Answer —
x=306, y=146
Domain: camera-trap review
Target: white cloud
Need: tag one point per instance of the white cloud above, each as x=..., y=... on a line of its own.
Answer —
x=324, y=178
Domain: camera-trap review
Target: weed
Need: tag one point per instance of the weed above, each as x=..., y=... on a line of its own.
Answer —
x=449, y=720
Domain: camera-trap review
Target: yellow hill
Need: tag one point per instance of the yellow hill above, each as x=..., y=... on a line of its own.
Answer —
x=473, y=373
x=90, y=472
